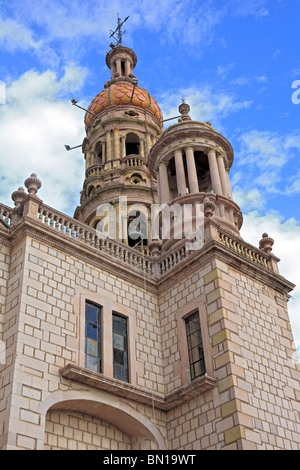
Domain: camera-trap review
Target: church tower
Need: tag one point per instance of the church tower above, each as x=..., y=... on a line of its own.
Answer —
x=122, y=124
x=129, y=337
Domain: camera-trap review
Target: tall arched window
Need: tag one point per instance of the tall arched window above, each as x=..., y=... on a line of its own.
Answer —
x=93, y=341
x=132, y=144
x=137, y=229
x=99, y=153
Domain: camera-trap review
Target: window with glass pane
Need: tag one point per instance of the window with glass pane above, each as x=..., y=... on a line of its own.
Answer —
x=93, y=337
x=120, y=348
x=195, y=346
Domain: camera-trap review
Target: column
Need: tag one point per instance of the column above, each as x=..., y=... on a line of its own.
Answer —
x=118, y=65
x=123, y=146
x=127, y=68
x=87, y=160
x=164, y=190
x=148, y=143
x=222, y=173
x=108, y=146
x=192, y=172
x=142, y=147
x=180, y=174
x=116, y=144
x=228, y=184
x=92, y=159
x=214, y=172
x=103, y=151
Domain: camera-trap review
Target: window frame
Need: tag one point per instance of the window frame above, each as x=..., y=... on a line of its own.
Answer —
x=109, y=305
x=126, y=348
x=99, y=337
x=191, y=348
x=182, y=367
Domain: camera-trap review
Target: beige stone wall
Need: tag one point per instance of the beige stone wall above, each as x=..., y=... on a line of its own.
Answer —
x=50, y=317
x=79, y=431
x=247, y=343
x=4, y=272
x=256, y=402
x=12, y=264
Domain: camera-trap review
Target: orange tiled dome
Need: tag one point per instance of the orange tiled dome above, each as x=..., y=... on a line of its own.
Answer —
x=120, y=94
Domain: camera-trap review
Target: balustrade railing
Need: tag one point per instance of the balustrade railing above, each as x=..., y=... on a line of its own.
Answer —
x=133, y=161
x=140, y=260
x=170, y=260
x=74, y=229
x=244, y=250
x=94, y=171
x=6, y=214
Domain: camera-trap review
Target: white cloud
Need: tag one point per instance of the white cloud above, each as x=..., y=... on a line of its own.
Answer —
x=222, y=70
x=251, y=199
x=35, y=123
x=263, y=148
x=62, y=26
x=267, y=149
x=286, y=234
x=14, y=35
x=257, y=8
x=206, y=103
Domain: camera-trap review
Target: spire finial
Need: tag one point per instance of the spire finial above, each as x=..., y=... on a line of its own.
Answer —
x=184, y=109
x=118, y=33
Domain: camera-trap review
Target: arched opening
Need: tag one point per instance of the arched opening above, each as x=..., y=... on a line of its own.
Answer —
x=79, y=422
x=132, y=144
x=99, y=153
x=123, y=68
x=78, y=430
x=137, y=229
x=203, y=172
x=90, y=190
x=172, y=178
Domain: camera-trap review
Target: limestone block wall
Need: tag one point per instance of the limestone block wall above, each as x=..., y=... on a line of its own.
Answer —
x=46, y=309
x=12, y=263
x=255, y=404
x=247, y=340
x=79, y=431
x=4, y=272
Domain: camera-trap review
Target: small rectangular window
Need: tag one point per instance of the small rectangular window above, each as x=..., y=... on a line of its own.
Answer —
x=195, y=346
x=93, y=337
x=120, y=347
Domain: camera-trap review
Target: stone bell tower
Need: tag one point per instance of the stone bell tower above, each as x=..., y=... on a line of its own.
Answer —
x=168, y=348
x=122, y=124
x=191, y=162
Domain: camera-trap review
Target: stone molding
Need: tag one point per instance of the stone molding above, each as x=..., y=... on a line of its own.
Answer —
x=137, y=394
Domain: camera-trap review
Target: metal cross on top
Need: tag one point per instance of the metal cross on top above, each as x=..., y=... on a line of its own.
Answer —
x=118, y=33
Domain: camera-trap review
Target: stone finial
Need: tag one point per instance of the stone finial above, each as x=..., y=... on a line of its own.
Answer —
x=33, y=183
x=209, y=207
x=18, y=196
x=266, y=243
x=155, y=247
x=184, y=110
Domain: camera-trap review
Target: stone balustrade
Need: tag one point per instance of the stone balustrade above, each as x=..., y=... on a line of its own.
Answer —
x=170, y=260
x=94, y=171
x=245, y=250
x=140, y=260
x=6, y=214
x=133, y=161
x=72, y=228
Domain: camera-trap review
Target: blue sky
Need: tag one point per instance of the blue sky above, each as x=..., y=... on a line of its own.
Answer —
x=234, y=61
